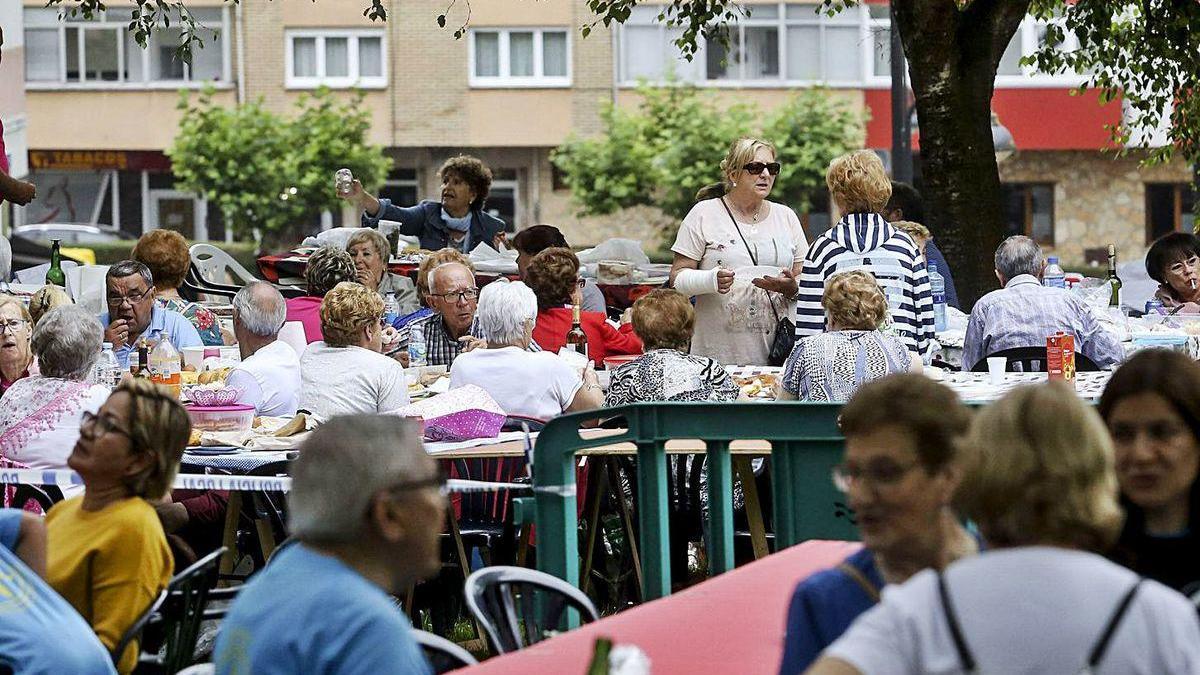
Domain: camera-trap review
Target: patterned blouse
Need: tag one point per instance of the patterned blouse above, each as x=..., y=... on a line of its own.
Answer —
x=670, y=375
x=831, y=366
x=206, y=322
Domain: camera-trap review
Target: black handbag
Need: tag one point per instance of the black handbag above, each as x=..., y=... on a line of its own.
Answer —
x=785, y=331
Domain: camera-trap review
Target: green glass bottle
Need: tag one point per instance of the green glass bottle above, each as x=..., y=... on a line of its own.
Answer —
x=1114, y=281
x=600, y=652
x=55, y=274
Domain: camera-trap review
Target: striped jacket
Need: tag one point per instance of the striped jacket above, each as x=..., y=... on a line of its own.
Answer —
x=865, y=241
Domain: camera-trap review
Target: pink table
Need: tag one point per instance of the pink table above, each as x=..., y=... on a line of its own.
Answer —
x=733, y=623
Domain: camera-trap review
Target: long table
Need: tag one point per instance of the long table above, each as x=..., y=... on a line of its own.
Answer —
x=732, y=623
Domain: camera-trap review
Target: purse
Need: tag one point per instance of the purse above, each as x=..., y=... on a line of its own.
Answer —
x=785, y=331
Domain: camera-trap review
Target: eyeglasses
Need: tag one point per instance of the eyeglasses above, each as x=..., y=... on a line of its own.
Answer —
x=103, y=424
x=437, y=480
x=133, y=298
x=756, y=168
x=880, y=475
x=458, y=296
x=12, y=325
x=1183, y=266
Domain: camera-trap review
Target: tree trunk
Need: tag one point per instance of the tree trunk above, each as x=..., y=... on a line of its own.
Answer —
x=953, y=55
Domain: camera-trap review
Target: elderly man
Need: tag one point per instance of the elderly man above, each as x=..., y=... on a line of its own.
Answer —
x=269, y=374
x=452, y=297
x=132, y=313
x=323, y=604
x=1023, y=313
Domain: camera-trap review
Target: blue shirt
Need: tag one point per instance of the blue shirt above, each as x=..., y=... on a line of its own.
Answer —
x=174, y=325
x=39, y=631
x=822, y=608
x=311, y=613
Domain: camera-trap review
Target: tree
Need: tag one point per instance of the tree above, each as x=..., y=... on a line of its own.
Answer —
x=268, y=173
x=666, y=149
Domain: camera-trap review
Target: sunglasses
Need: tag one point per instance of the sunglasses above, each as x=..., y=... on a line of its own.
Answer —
x=756, y=168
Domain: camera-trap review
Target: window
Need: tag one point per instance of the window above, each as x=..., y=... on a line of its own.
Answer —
x=101, y=52
x=338, y=59
x=1169, y=209
x=401, y=187
x=1029, y=210
x=520, y=57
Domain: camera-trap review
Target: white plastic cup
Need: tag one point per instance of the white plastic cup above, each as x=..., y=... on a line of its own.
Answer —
x=996, y=367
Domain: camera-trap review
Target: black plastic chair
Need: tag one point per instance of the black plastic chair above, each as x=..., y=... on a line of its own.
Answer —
x=168, y=629
x=44, y=496
x=518, y=607
x=1032, y=360
x=441, y=653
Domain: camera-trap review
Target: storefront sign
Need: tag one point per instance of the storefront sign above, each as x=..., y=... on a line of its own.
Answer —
x=98, y=160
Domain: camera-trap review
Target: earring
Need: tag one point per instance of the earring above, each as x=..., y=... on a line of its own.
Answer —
x=735, y=183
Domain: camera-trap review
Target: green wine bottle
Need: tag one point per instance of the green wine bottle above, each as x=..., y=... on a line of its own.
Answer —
x=55, y=274
x=1114, y=281
x=599, y=664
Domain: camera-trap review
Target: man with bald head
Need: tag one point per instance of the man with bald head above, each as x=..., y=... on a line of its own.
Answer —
x=269, y=374
x=452, y=296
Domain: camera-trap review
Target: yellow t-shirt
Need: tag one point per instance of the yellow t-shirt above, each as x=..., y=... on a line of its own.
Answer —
x=109, y=564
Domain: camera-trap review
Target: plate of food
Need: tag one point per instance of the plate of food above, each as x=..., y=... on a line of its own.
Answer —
x=760, y=386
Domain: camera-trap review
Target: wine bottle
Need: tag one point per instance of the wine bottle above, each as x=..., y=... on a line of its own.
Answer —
x=1114, y=298
x=142, y=369
x=576, y=339
x=55, y=275
x=600, y=651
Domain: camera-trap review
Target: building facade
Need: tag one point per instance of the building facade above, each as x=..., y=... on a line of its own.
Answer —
x=520, y=81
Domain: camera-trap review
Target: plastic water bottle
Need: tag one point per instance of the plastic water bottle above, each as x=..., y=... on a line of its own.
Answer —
x=107, y=370
x=938, y=286
x=1054, y=277
x=416, y=345
x=391, y=308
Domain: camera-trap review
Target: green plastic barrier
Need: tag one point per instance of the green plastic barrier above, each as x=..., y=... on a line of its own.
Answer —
x=805, y=446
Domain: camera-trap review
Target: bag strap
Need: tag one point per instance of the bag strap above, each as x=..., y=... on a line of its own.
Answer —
x=753, y=258
x=861, y=579
x=960, y=644
x=1114, y=622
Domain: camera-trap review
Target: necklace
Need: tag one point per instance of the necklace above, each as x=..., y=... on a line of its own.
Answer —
x=752, y=216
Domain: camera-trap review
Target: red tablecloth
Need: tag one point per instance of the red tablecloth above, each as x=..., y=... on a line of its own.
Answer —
x=733, y=623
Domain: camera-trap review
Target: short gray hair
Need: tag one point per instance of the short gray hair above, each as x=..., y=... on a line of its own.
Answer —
x=342, y=465
x=67, y=342
x=505, y=310
x=1018, y=255
x=128, y=268
x=260, y=308
x=431, y=284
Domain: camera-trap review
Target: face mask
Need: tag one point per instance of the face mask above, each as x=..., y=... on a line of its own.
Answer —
x=457, y=224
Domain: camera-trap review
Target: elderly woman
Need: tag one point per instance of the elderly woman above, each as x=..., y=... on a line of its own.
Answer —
x=39, y=415
x=327, y=267
x=1038, y=481
x=108, y=555
x=1153, y=414
x=738, y=254
x=16, y=357
x=457, y=221
x=528, y=384
x=864, y=240
x=533, y=240
x=45, y=299
x=830, y=366
x=369, y=249
x=553, y=275
x=346, y=374
x=899, y=474
x=1174, y=262
x=165, y=252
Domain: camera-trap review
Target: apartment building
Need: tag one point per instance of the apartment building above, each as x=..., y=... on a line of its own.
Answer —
x=101, y=111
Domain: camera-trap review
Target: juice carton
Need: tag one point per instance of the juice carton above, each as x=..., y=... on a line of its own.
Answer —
x=1060, y=357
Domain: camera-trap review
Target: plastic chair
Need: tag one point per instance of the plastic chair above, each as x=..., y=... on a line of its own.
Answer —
x=217, y=268
x=441, y=653
x=503, y=600
x=44, y=496
x=199, y=669
x=1032, y=360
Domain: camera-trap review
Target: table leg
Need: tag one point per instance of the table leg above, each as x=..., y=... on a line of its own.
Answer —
x=758, y=531
x=595, y=495
x=233, y=510
x=463, y=563
x=614, y=479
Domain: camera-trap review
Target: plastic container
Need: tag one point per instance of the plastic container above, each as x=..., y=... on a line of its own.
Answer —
x=614, y=362
x=194, y=356
x=937, y=286
x=222, y=418
x=1054, y=277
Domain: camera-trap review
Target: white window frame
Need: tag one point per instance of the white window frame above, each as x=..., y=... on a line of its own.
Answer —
x=199, y=210
x=353, y=80
x=514, y=185
x=120, y=27
x=537, y=80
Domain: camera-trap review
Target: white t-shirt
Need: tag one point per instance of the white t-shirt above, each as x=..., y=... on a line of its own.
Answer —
x=1025, y=610
x=349, y=381
x=529, y=384
x=269, y=380
x=736, y=328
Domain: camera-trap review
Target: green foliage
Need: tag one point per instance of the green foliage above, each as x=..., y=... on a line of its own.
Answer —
x=267, y=172
x=671, y=145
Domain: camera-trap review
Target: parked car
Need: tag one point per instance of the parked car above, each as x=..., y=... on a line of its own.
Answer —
x=71, y=234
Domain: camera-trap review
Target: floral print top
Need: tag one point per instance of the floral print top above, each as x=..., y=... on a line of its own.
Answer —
x=205, y=321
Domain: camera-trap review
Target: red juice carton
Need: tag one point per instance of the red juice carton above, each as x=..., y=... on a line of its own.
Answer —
x=1060, y=357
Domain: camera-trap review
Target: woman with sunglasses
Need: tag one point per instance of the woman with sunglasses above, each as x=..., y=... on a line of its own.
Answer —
x=107, y=553
x=1174, y=262
x=739, y=255
x=553, y=276
x=900, y=472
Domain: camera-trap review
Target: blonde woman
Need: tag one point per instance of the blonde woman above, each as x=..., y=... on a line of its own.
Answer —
x=739, y=254
x=864, y=240
x=370, y=252
x=16, y=353
x=345, y=374
x=830, y=366
x=107, y=553
x=1038, y=480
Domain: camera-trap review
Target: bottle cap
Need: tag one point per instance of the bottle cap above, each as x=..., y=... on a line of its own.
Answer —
x=1053, y=260
x=106, y=345
x=933, y=267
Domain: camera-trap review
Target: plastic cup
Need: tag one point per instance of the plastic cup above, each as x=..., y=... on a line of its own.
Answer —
x=996, y=367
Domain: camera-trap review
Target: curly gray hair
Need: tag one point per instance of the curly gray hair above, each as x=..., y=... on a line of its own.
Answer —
x=328, y=267
x=67, y=342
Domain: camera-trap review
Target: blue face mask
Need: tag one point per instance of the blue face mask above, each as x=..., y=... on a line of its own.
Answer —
x=457, y=224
